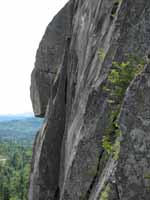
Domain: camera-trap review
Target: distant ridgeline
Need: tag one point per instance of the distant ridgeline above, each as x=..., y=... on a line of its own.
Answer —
x=16, y=139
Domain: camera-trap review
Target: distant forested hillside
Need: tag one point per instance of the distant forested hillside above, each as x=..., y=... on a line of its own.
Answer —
x=16, y=141
x=20, y=131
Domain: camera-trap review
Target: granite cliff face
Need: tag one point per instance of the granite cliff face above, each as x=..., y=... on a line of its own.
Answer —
x=72, y=66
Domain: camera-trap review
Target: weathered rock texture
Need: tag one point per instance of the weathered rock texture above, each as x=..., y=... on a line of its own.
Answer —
x=69, y=162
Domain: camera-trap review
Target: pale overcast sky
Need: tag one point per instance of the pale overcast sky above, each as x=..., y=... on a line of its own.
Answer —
x=22, y=25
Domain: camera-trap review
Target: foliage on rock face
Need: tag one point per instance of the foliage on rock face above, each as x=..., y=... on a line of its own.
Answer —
x=112, y=146
x=120, y=77
x=117, y=83
x=115, y=8
x=105, y=194
x=101, y=54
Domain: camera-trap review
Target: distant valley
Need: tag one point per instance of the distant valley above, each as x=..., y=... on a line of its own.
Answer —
x=17, y=133
x=20, y=129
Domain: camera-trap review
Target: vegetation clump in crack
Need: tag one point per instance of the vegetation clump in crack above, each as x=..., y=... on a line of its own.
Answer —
x=115, y=8
x=119, y=79
x=101, y=54
x=105, y=194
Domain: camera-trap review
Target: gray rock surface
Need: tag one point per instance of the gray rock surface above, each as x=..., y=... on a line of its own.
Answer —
x=134, y=163
x=69, y=161
x=49, y=59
